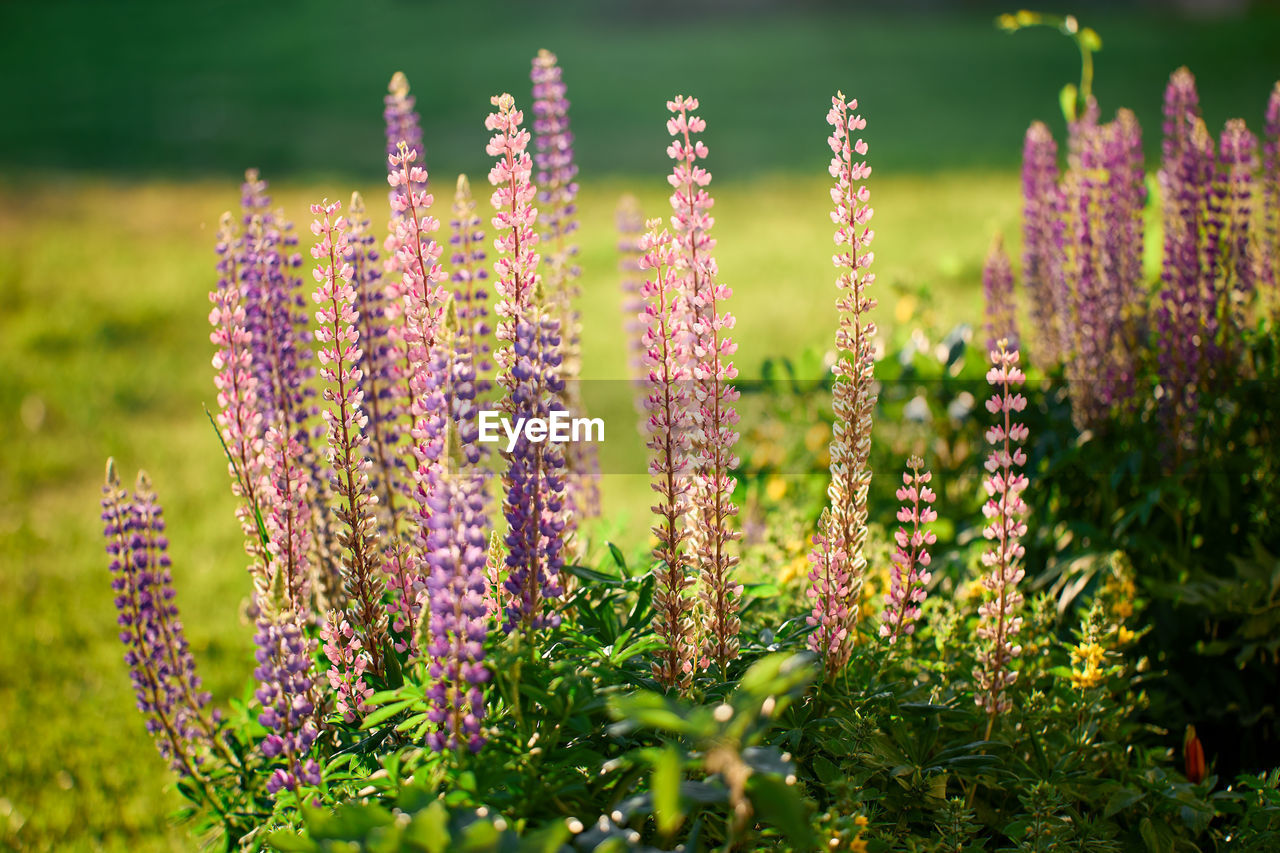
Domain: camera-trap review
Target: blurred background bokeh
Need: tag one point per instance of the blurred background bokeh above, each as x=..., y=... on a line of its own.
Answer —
x=126, y=128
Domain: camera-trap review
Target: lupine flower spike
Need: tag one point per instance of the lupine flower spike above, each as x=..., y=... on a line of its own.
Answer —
x=711, y=350
x=853, y=397
x=471, y=296
x=631, y=234
x=999, y=622
x=831, y=616
x=911, y=576
x=239, y=418
x=1269, y=252
x=529, y=371
x=287, y=692
x=347, y=664
x=997, y=288
x=160, y=665
x=668, y=430
x=1042, y=242
x=345, y=420
x=556, y=177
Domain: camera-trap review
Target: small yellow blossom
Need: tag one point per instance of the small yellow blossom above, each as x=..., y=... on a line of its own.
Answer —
x=1086, y=662
x=775, y=489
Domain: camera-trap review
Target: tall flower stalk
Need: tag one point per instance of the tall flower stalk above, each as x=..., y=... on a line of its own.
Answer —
x=557, y=178
x=631, y=235
x=345, y=421
x=239, y=419
x=830, y=616
x=1042, y=241
x=1269, y=251
x=165, y=683
x=853, y=395
x=471, y=296
x=528, y=359
x=668, y=430
x=999, y=619
x=711, y=348
x=910, y=577
x=997, y=290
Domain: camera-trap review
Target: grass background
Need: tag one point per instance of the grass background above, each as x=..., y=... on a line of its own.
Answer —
x=126, y=127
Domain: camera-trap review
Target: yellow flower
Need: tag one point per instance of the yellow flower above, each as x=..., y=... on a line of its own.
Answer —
x=817, y=437
x=1086, y=660
x=1123, y=608
x=1124, y=636
x=775, y=489
x=797, y=567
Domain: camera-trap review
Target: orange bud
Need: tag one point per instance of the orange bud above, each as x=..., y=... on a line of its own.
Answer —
x=1193, y=756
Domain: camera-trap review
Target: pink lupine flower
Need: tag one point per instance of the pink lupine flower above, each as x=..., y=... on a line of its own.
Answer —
x=528, y=359
x=347, y=665
x=711, y=349
x=288, y=518
x=344, y=418
x=514, y=219
x=997, y=288
x=422, y=298
x=999, y=622
x=668, y=430
x=239, y=418
x=853, y=396
x=911, y=560
x=831, y=616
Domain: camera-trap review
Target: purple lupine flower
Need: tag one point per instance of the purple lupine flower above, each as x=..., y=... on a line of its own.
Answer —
x=403, y=128
x=668, y=429
x=907, y=587
x=458, y=617
x=239, y=418
x=1186, y=329
x=470, y=296
x=345, y=419
x=534, y=506
x=1229, y=253
x=1269, y=245
x=347, y=665
x=1181, y=111
x=160, y=665
x=997, y=289
x=1123, y=234
x=631, y=234
x=377, y=368
x=553, y=156
x=853, y=395
x=287, y=518
x=711, y=349
x=1042, y=239
x=286, y=691
x=999, y=622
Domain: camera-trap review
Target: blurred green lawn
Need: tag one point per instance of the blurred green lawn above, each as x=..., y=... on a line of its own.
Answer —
x=125, y=131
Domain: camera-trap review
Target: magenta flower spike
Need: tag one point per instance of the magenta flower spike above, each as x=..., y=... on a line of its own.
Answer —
x=1269, y=253
x=711, y=349
x=1042, y=242
x=1005, y=511
x=853, y=396
x=668, y=430
x=345, y=421
x=997, y=289
x=165, y=683
x=1231, y=245
x=910, y=578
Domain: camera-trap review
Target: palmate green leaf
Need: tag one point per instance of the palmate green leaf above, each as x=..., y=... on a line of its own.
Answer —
x=430, y=828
